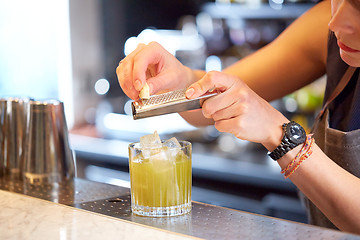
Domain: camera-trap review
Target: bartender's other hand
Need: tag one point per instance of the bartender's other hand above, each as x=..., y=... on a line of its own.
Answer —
x=237, y=109
x=152, y=64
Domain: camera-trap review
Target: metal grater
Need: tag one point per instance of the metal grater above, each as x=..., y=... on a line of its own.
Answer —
x=165, y=103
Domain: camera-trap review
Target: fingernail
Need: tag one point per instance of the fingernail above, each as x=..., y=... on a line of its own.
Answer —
x=189, y=92
x=137, y=85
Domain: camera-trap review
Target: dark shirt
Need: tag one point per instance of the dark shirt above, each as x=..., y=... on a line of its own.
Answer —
x=345, y=109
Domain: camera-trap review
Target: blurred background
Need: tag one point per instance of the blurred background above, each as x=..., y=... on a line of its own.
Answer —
x=69, y=50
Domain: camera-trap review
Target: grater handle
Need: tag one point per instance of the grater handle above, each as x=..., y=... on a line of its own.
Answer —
x=140, y=110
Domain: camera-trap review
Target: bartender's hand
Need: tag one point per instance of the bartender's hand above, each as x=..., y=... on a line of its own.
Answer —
x=152, y=64
x=239, y=110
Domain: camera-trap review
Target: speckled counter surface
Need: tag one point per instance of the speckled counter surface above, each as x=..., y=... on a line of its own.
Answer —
x=24, y=217
x=82, y=209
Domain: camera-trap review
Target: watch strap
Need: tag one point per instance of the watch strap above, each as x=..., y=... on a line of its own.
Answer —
x=285, y=146
x=281, y=150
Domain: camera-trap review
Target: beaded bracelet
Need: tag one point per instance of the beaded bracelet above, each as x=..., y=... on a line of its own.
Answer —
x=301, y=152
x=304, y=153
x=305, y=156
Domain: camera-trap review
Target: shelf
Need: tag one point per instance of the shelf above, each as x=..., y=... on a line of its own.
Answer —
x=263, y=11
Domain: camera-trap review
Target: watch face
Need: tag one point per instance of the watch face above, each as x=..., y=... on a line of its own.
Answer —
x=295, y=133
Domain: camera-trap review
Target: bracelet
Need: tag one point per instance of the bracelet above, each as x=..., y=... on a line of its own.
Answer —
x=303, y=157
x=304, y=153
x=301, y=152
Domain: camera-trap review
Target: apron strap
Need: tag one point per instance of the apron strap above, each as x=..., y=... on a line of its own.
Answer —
x=338, y=89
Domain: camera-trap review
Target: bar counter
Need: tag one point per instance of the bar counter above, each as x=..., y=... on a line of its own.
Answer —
x=83, y=209
x=24, y=217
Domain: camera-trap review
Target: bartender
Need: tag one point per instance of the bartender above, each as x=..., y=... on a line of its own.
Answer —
x=325, y=166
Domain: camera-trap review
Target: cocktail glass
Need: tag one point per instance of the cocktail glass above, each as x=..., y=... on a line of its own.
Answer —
x=160, y=179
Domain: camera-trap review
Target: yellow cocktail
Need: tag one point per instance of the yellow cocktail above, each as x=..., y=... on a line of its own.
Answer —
x=160, y=179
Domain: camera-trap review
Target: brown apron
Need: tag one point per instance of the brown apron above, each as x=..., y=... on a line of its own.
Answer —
x=342, y=147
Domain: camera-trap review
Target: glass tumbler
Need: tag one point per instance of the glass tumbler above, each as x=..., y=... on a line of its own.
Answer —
x=161, y=180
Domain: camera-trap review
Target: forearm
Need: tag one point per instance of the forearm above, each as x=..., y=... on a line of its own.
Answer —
x=290, y=62
x=196, y=118
x=293, y=60
x=265, y=74
x=333, y=190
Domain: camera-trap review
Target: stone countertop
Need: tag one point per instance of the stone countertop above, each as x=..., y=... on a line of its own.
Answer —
x=82, y=209
x=25, y=217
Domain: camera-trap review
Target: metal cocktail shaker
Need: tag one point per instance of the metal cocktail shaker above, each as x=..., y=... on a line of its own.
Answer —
x=47, y=157
x=12, y=135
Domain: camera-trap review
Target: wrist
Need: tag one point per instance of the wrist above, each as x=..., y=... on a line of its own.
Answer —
x=274, y=139
x=302, y=154
x=276, y=134
x=289, y=156
x=293, y=135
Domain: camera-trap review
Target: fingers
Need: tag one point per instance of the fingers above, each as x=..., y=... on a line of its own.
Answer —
x=152, y=64
x=234, y=102
x=125, y=80
x=124, y=73
x=149, y=56
x=161, y=82
x=214, y=104
x=229, y=112
x=214, y=81
x=211, y=81
x=202, y=86
x=232, y=125
x=141, y=64
x=132, y=57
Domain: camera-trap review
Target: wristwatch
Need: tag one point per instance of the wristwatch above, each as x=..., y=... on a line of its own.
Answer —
x=294, y=135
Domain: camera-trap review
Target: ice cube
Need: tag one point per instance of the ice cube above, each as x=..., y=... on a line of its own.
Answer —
x=149, y=152
x=150, y=145
x=173, y=146
x=158, y=154
x=172, y=143
x=146, y=153
x=150, y=141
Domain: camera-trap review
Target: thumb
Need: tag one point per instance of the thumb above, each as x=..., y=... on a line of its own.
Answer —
x=205, y=84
